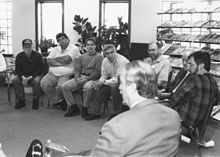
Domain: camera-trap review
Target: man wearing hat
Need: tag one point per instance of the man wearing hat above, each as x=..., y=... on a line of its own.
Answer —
x=29, y=68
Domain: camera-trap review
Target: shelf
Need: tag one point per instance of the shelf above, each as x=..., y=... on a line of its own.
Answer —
x=189, y=27
x=196, y=12
x=190, y=41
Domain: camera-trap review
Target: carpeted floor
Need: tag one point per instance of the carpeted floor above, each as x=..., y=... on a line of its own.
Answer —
x=19, y=127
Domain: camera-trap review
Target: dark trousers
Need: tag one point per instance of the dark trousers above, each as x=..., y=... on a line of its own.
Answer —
x=19, y=88
x=112, y=92
x=97, y=98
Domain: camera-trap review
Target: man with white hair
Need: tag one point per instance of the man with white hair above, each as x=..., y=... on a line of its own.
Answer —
x=180, y=78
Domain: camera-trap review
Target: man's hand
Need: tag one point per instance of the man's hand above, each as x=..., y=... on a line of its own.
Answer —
x=97, y=85
x=82, y=79
x=26, y=79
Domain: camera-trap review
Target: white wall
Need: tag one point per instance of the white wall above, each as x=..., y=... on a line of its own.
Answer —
x=144, y=20
x=23, y=22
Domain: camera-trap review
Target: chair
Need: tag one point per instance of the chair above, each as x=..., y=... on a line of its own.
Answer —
x=10, y=68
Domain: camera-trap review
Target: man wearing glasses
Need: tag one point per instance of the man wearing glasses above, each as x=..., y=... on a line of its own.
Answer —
x=160, y=64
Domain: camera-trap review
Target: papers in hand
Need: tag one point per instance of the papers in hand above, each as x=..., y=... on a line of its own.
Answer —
x=57, y=147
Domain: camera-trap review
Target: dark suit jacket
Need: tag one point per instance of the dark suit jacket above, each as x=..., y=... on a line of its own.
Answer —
x=147, y=129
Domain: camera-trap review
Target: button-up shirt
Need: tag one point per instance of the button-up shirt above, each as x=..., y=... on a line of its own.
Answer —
x=111, y=70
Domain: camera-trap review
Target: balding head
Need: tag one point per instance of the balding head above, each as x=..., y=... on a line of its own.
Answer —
x=185, y=56
x=154, y=49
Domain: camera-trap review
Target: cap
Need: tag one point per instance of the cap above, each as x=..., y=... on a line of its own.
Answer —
x=26, y=41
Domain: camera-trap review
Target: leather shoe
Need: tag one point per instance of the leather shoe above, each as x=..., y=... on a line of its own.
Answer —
x=20, y=104
x=92, y=117
x=72, y=111
x=60, y=105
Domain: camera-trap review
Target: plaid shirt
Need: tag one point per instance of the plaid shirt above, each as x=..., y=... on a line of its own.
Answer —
x=195, y=98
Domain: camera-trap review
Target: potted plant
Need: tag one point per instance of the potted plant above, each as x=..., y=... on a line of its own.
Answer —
x=113, y=35
x=45, y=44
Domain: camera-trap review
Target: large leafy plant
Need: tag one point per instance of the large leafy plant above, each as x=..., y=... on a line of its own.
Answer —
x=113, y=35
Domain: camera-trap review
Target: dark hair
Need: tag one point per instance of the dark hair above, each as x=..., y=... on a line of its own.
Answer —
x=61, y=35
x=201, y=57
x=143, y=75
x=91, y=39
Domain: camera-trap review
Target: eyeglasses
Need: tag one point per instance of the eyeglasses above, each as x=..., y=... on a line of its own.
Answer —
x=151, y=50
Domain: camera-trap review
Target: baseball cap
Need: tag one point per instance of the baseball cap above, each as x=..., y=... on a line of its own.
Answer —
x=27, y=42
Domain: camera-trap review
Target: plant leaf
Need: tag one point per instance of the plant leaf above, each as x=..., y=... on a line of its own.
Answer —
x=84, y=21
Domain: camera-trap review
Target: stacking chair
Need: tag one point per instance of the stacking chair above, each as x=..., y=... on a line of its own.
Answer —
x=10, y=68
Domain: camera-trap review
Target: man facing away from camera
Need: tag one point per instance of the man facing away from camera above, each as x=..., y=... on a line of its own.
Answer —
x=148, y=128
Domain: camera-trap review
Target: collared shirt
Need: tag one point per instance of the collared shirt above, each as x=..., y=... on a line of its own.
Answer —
x=111, y=70
x=194, y=99
x=162, y=68
x=89, y=65
x=72, y=51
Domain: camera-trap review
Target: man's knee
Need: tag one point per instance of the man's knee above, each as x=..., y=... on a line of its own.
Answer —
x=36, y=80
x=88, y=85
x=70, y=85
x=43, y=83
x=16, y=80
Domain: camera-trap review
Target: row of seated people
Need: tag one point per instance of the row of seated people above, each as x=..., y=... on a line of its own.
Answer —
x=151, y=128
x=58, y=87
x=192, y=100
x=64, y=61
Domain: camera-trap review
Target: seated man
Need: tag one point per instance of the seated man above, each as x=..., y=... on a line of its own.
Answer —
x=180, y=78
x=107, y=85
x=195, y=98
x=61, y=61
x=159, y=63
x=148, y=128
x=29, y=69
x=87, y=70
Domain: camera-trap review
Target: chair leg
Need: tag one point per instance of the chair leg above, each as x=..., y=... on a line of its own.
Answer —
x=9, y=94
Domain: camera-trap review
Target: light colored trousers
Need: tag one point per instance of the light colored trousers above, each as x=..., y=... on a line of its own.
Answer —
x=71, y=86
x=51, y=85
